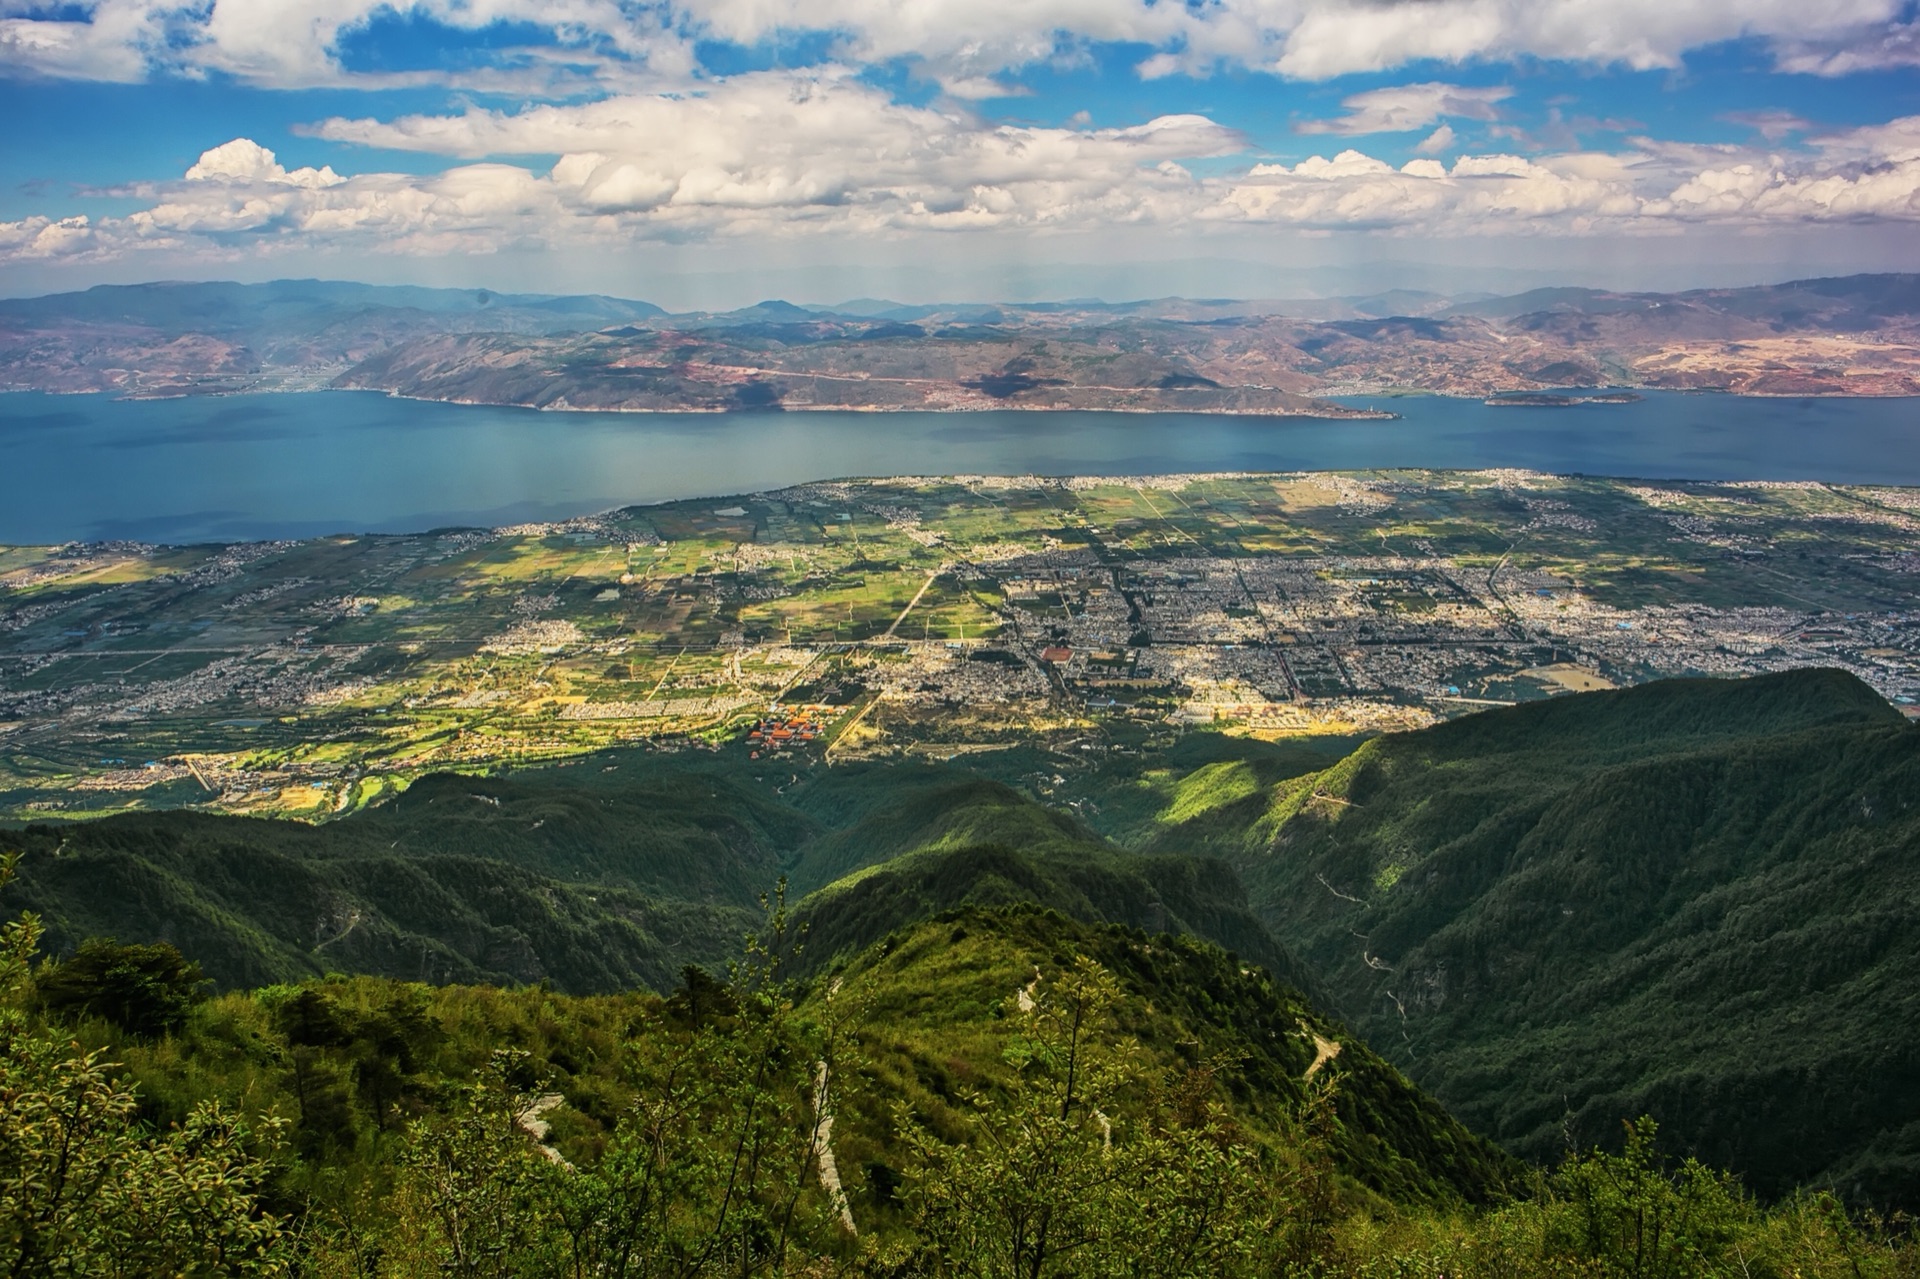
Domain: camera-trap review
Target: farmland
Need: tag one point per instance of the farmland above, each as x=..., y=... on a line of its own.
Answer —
x=917, y=617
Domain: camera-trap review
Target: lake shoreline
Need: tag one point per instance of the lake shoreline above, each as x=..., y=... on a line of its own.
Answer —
x=1336, y=395
x=299, y=464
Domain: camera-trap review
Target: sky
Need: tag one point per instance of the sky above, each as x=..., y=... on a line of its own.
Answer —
x=710, y=153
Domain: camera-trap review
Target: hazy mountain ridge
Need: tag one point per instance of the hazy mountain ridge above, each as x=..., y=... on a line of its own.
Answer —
x=183, y=338
x=1857, y=335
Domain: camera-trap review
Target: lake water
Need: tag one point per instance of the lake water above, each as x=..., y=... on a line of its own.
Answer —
x=88, y=467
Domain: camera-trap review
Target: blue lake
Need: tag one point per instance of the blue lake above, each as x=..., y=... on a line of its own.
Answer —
x=88, y=467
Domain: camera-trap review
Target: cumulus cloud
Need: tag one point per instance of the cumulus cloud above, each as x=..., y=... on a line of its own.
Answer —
x=1320, y=39
x=244, y=160
x=1337, y=37
x=828, y=145
x=774, y=155
x=1403, y=108
x=1896, y=142
x=763, y=155
x=1352, y=190
x=45, y=238
x=1759, y=191
x=964, y=44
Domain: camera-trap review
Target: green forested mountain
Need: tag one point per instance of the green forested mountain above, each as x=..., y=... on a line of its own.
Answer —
x=1694, y=899
x=941, y=985
x=599, y=879
x=992, y=1092
x=1698, y=900
x=462, y=879
x=1190, y=896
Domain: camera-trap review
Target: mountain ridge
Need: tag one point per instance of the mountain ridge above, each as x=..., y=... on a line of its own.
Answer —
x=1560, y=937
x=1854, y=335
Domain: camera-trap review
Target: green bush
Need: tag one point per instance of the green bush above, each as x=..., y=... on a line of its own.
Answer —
x=144, y=990
x=84, y=1190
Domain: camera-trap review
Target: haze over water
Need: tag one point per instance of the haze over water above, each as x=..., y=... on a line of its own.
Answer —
x=258, y=466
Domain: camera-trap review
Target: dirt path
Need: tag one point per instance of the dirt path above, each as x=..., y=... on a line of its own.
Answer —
x=823, y=1152
x=666, y=675
x=1324, y=1051
x=924, y=588
x=532, y=1121
x=1024, y=995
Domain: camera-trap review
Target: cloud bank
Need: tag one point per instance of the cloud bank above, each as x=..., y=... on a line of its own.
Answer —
x=777, y=155
x=964, y=44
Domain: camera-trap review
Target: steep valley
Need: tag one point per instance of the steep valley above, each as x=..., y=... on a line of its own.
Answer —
x=1696, y=899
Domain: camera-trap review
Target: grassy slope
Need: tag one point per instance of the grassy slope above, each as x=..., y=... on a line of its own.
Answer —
x=941, y=989
x=930, y=1012
x=1699, y=899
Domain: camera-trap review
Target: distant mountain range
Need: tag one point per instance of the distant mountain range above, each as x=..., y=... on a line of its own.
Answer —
x=1697, y=899
x=1857, y=335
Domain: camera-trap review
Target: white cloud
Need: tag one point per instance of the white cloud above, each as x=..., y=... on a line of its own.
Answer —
x=1874, y=48
x=961, y=42
x=1757, y=192
x=1405, y=107
x=42, y=238
x=966, y=45
x=1436, y=142
x=294, y=44
x=1320, y=39
x=762, y=155
x=1774, y=125
x=115, y=43
x=244, y=160
x=773, y=156
x=1477, y=193
x=1896, y=141
x=1337, y=37
x=823, y=148
x=979, y=88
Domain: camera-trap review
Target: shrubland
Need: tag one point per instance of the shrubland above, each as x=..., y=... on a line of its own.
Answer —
x=991, y=1092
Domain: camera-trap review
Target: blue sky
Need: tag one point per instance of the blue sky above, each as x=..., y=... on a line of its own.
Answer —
x=711, y=151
